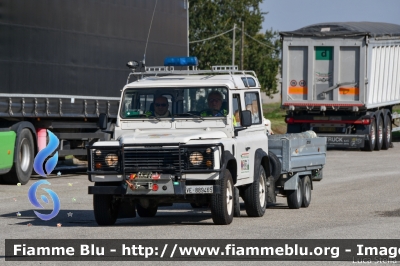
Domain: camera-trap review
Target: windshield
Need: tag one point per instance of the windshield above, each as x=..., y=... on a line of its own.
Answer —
x=174, y=102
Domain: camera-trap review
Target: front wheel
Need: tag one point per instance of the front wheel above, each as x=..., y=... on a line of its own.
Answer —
x=255, y=198
x=222, y=204
x=105, y=209
x=295, y=197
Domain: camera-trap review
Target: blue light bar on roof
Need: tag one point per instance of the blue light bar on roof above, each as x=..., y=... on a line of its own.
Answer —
x=181, y=61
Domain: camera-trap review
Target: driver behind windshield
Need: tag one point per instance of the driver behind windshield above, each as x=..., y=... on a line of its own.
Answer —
x=161, y=107
x=214, y=101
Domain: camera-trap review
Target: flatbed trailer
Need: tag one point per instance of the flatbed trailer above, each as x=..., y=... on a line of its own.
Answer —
x=301, y=159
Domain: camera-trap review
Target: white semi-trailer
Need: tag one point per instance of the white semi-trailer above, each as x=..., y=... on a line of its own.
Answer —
x=342, y=80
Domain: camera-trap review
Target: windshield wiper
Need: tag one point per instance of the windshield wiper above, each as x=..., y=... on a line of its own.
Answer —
x=194, y=115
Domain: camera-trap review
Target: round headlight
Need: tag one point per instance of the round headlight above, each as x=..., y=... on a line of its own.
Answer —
x=98, y=152
x=111, y=159
x=196, y=158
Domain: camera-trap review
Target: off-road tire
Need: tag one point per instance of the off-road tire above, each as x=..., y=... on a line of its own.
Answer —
x=105, y=209
x=255, y=198
x=222, y=204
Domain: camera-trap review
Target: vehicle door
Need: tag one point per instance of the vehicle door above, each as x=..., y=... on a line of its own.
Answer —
x=241, y=152
x=255, y=134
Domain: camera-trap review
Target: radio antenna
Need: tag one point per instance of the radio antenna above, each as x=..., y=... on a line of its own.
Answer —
x=148, y=35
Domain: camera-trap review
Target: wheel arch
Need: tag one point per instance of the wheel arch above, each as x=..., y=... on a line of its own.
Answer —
x=261, y=157
x=230, y=164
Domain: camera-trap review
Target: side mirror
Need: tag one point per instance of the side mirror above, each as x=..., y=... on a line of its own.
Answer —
x=246, y=121
x=103, y=121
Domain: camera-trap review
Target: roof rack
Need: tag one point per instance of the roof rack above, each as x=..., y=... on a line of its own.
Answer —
x=169, y=70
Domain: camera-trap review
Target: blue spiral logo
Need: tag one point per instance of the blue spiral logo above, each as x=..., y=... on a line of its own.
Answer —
x=43, y=154
x=34, y=201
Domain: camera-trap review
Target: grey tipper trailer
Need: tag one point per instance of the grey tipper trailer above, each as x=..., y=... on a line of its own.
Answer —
x=342, y=80
x=301, y=159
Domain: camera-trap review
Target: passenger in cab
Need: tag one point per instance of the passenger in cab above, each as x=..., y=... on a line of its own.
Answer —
x=214, y=101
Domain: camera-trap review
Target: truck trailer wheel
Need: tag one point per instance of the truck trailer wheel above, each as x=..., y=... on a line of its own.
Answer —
x=105, y=209
x=23, y=163
x=295, y=197
x=306, y=191
x=146, y=212
x=370, y=143
x=222, y=204
x=255, y=198
x=379, y=132
x=387, y=133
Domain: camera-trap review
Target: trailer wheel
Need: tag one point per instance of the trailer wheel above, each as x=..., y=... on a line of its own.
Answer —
x=387, y=133
x=146, y=212
x=370, y=144
x=236, y=203
x=306, y=191
x=105, y=209
x=295, y=197
x=222, y=204
x=255, y=198
x=24, y=155
x=379, y=133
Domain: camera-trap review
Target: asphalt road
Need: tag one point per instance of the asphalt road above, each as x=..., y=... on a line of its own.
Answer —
x=358, y=198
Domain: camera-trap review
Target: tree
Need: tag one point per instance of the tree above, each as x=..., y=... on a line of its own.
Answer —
x=208, y=18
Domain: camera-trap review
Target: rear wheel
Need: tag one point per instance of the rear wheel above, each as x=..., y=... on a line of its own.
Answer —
x=105, y=209
x=379, y=133
x=370, y=143
x=222, y=204
x=306, y=191
x=387, y=133
x=255, y=198
x=236, y=203
x=146, y=212
x=295, y=197
x=23, y=164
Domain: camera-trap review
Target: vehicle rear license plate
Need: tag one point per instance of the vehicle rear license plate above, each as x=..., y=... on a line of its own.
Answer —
x=199, y=189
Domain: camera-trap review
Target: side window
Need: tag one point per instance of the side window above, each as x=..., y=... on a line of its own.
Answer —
x=236, y=110
x=253, y=105
x=249, y=82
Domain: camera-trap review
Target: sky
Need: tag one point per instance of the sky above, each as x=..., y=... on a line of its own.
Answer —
x=288, y=15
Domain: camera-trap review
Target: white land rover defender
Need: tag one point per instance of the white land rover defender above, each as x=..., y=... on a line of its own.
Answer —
x=197, y=137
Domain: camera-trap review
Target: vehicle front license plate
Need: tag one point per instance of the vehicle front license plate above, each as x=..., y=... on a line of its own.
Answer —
x=199, y=189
